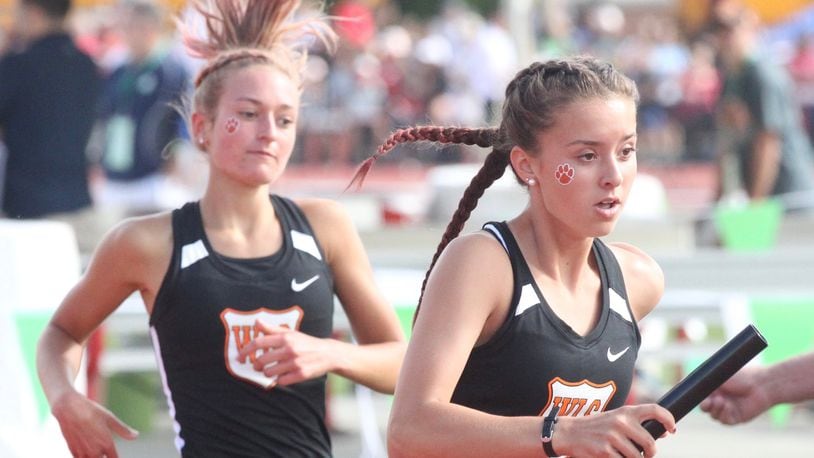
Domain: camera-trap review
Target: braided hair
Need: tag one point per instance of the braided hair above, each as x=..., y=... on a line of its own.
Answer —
x=530, y=106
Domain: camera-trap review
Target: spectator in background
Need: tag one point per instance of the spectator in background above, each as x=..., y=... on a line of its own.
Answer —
x=139, y=117
x=763, y=146
x=48, y=93
x=330, y=128
x=802, y=70
x=700, y=87
x=491, y=60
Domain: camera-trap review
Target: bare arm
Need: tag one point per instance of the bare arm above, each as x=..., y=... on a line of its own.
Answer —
x=464, y=301
x=376, y=360
x=113, y=274
x=644, y=279
x=791, y=380
x=752, y=390
x=453, y=314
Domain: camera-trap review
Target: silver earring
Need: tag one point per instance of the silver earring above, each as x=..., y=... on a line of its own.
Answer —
x=531, y=181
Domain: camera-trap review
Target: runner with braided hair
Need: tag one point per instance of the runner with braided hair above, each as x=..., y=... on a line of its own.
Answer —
x=527, y=329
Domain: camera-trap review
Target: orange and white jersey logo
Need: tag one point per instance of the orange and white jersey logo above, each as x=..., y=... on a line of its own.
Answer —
x=578, y=398
x=241, y=329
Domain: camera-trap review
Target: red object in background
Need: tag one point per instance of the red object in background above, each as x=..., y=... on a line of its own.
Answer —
x=393, y=217
x=357, y=25
x=802, y=63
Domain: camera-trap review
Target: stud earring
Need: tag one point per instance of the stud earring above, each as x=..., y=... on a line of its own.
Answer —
x=531, y=181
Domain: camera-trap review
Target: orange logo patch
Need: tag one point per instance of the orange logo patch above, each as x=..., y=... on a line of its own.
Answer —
x=241, y=329
x=578, y=398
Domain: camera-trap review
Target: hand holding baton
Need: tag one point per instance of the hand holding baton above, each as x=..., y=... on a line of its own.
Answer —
x=711, y=374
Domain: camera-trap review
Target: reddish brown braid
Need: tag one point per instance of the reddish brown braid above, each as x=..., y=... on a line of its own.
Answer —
x=461, y=135
x=493, y=168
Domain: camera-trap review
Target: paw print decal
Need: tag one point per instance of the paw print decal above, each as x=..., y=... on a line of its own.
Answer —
x=231, y=125
x=564, y=174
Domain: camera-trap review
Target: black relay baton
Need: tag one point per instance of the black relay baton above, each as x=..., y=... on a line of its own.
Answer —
x=711, y=374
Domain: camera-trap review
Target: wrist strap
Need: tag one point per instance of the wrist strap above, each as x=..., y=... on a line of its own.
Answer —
x=547, y=435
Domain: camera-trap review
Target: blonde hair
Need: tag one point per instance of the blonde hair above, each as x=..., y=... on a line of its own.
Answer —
x=247, y=32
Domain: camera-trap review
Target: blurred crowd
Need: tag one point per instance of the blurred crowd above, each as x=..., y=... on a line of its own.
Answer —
x=394, y=68
x=450, y=69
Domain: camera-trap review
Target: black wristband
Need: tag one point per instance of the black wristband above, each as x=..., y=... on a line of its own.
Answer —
x=547, y=435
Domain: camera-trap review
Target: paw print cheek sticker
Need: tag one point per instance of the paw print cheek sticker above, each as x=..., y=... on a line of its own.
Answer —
x=564, y=173
x=231, y=125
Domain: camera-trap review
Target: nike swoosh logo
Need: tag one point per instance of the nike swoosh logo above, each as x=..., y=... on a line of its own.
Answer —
x=297, y=286
x=614, y=356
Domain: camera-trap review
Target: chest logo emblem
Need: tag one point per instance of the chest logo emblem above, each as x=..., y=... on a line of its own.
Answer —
x=241, y=328
x=299, y=286
x=578, y=398
x=614, y=356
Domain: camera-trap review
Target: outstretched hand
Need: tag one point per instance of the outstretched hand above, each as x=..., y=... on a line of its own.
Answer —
x=289, y=355
x=739, y=400
x=88, y=427
x=613, y=433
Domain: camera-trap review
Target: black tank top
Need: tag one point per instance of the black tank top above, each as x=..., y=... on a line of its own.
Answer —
x=205, y=312
x=536, y=361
